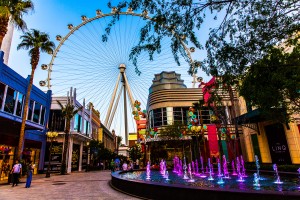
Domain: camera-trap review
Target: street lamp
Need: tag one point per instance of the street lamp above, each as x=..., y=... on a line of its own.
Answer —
x=88, y=157
x=50, y=136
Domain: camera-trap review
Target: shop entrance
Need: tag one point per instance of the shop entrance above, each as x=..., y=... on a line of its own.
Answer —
x=279, y=149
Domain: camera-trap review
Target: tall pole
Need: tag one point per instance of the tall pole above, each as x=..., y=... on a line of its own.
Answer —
x=122, y=68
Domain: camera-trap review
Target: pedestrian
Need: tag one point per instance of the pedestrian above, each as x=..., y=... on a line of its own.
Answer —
x=125, y=166
x=16, y=171
x=30, y=168
x=112, y=165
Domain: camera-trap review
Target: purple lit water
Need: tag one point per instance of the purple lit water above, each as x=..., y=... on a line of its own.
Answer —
x=289, y=184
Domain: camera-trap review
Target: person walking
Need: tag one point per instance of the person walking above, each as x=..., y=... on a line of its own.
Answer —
x=30, y=168
x=16, y=172
x=112, y=165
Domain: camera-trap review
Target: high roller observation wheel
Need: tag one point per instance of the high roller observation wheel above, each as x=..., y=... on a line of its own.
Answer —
x=73, y=30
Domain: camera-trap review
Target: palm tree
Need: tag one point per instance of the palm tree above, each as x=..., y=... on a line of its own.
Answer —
x=35, y=41
x=68, y=112
x=13, y=10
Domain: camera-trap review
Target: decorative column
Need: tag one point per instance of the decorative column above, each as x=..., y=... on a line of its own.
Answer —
x=80, y=157
x=69, y=161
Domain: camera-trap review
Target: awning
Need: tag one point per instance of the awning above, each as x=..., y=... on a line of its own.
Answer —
x=253, y=116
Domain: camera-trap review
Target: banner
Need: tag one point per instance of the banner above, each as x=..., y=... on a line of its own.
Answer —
x=213, y=140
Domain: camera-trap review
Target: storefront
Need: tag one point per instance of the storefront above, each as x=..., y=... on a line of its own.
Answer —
x=6, y=160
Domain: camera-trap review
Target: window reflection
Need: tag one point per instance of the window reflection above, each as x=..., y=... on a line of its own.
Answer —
x=2, y=90
x=30, y=109
x=36, y=113
x=43, y=115
x=87, y=127
x=20, y=104
x=77, y=122
x=11, y=96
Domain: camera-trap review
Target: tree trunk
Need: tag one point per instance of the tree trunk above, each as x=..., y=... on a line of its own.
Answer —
x=3, y=28
x=63, y=169
x=25, y=111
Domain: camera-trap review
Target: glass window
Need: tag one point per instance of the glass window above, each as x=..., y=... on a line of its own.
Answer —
x=36, y=113
x=205, y=116
x=30, y=109
x=11, y=96
x=184, y=113
x=157, y=117
x=177, y=114
x=87, y=127
x=77, y=122
x=43, y=115
x=164, y=118
x=151, y=118
x=20, y=104
x=2, y=90
x=56, y=121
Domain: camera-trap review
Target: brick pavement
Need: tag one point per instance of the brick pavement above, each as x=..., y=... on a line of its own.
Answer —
x=78, y=185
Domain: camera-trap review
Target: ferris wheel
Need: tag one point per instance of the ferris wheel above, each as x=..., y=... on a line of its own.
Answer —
x=101, y=71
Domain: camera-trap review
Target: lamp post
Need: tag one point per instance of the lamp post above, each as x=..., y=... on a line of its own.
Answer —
x=88, y=157
x=50, y=136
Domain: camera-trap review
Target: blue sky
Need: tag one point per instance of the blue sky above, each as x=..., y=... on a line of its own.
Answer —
x=52, y=17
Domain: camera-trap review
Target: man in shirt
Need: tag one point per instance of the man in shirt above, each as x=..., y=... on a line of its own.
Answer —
x=16, y=171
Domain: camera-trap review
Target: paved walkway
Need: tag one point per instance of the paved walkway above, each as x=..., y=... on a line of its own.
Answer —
x=79, y=185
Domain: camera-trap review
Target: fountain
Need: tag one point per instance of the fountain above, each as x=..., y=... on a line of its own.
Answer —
x=148, y=171
x=167, y=176
x=219, y=169
x=256, y=180
x=257, y=166
x=243, y=167
x=180, y=167
x=233, y=168
x=162, y=167
x=277, y=177
x=184, y=169
x=190, y=173
x=202, y=165
x=210, y=178
x=238, y=166
x=220, y=175
x=225, y=169
x=173, y=185
x=238, y=169
x=202, y=175
x=175, y=164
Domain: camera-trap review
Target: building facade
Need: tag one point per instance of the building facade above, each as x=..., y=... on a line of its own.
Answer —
x=169, y=102
x=81, y=133
x=13, y=88
x=270, y=141
x=108, y=138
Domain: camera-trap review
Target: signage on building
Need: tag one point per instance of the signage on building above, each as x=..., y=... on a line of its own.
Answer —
x=277, y=144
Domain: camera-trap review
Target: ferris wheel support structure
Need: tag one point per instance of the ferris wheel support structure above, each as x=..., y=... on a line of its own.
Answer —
x=122, y=75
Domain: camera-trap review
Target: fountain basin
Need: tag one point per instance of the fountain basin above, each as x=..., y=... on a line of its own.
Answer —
x=158, y=188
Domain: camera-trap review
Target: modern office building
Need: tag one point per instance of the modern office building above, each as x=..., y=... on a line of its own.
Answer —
x=13, y=88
